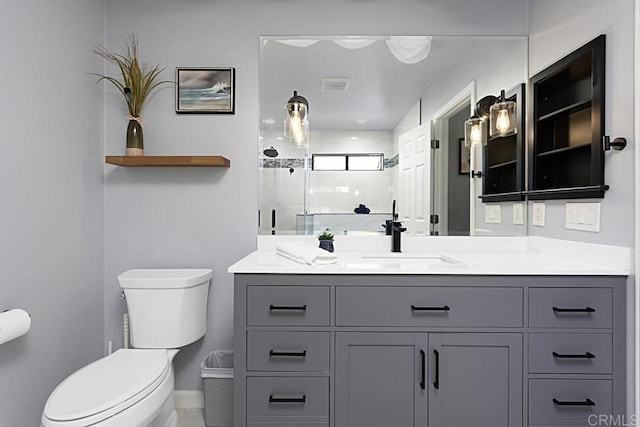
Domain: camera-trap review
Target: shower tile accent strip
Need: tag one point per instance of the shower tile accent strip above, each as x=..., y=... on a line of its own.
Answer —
x=282, y=163
x=392, y=162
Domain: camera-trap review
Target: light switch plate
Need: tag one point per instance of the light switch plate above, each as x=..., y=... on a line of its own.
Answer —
x=582, y=216
x=493, y=214
x=518, y=213
x=538, y=214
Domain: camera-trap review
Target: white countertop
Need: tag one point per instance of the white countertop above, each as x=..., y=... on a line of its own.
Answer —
x=448, y=255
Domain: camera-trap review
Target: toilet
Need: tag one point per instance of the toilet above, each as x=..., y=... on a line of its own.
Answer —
x=134, y=387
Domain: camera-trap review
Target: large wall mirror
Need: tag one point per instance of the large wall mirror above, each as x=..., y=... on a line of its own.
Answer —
x=374, y=106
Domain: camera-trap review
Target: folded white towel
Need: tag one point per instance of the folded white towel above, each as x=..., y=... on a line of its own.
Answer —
x=305, y=253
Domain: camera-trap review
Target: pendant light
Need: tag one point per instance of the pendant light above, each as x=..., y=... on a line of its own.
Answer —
x=502, y=117
x=296, y=122
x=475, y=131
x=498, y=113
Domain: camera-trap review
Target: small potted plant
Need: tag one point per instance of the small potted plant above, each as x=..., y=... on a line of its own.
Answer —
x=326, y=240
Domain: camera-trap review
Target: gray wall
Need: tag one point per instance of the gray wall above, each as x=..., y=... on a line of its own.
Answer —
x=52, y=215
x=458, y=221
x=208, y=218
x=556, y=29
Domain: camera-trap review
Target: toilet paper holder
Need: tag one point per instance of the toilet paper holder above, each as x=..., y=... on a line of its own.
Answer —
x=9, y=309
x=14, y=323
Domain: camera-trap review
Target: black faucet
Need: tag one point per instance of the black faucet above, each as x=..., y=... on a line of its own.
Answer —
x=396, y=230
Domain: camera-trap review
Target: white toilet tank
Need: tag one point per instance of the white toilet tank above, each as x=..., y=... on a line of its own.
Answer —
x=167, y=307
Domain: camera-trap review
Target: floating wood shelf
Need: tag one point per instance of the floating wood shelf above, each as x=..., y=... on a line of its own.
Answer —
x=156, y=161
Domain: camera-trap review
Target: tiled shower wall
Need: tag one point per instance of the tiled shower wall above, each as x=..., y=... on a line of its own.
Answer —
x=328, y=191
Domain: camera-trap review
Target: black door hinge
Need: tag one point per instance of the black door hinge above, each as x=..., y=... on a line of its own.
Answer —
x=435, y=144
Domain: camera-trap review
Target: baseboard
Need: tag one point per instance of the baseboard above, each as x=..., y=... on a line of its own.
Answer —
x=189, y=398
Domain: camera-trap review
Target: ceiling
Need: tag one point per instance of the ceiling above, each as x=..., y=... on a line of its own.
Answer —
x=381, y=88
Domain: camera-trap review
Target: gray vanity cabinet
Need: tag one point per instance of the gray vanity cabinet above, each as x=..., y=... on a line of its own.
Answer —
x=434, y=379
x=476, y=379
x=427, y=350
x=379, y=380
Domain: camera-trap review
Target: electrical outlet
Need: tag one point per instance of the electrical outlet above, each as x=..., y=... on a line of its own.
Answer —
x=582, y=216
x=538, y=214
x=518, y=213
x=493, y=214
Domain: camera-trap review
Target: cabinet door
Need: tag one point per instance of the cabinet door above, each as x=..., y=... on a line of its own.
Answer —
x=476, y=379
x=380, y=379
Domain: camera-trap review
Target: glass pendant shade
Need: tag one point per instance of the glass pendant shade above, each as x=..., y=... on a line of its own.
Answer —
x=502, y=118
x=296, y=122
x=475, y=132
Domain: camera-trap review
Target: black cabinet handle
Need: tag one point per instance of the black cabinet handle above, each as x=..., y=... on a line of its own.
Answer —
x=574, y=310
x=587, y=355
x=418, y=308
x=274, y=353
x=436, y=383
x=587, y=402
x=288, y=307
x=301, y=399
x=423, y=376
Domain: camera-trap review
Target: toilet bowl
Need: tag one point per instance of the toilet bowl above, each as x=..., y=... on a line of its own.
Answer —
x=126, y=388
x=134, y=387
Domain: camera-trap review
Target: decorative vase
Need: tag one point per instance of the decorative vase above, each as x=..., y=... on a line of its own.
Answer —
x=327, y=245
x=135, y=143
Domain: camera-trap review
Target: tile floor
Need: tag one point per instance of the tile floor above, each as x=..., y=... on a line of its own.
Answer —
x=190, y=417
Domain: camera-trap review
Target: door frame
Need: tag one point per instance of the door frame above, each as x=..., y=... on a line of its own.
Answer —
x=636, y=276
x=440, y=131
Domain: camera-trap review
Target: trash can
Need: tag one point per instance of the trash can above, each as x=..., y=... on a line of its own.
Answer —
x=217, y=375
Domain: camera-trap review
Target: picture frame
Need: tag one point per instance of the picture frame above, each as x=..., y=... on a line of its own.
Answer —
x=464, y=158
x=205, y=90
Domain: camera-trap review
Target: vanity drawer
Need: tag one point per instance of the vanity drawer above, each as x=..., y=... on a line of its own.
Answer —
x=575, y=400
x=429, y=306
x=570, y=307
x=288, y=305
x=570, y=353
x=288, y=351
x=288, y=396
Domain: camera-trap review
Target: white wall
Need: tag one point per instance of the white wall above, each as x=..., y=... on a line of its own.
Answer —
x=183, y=217
x=51, y=221
x=556, y=29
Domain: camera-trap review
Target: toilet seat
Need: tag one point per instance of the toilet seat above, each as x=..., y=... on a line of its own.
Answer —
x=107, y=387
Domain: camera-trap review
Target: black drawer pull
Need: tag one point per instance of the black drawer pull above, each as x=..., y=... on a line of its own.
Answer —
x=587, y=402
x=288, y=307
x=424, y=368
x=587, y=355
x=574, y=310
x=274, y=353
x=418, y=308
x=436, y=383
x=301, y=399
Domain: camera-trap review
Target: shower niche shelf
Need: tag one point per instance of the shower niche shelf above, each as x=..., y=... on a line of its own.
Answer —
x=159, y=161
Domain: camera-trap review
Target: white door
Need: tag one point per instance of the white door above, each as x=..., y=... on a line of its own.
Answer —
x=415, y=180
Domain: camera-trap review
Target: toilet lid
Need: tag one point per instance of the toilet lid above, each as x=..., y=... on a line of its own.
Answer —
x=107, y=383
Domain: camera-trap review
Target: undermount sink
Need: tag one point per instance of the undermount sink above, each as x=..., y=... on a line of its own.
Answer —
x=411, y=258
x=411, y=262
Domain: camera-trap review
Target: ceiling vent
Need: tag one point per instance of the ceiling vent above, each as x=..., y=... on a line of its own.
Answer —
x=335, y=84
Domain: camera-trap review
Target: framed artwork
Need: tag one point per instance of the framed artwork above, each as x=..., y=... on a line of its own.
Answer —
x=205, y=90
x=464, y=158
